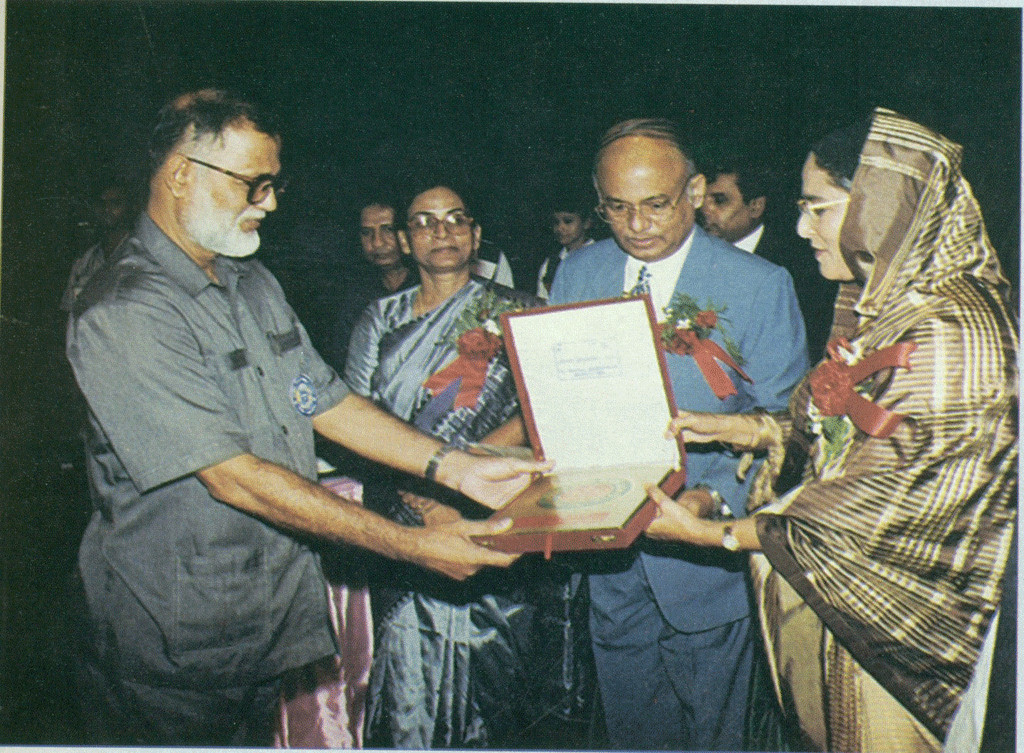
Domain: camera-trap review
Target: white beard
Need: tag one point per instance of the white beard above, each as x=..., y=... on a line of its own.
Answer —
x=219, y=231
x=239, y=244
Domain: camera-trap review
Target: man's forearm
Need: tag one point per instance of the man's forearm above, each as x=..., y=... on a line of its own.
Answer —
x=285, y=499
x=359, y=425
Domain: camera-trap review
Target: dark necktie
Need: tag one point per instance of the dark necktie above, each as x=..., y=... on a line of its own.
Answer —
x=643, y=282
x=549, y=274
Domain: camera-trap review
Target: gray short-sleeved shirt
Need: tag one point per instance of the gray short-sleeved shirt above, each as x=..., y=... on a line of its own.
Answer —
x=180, y=374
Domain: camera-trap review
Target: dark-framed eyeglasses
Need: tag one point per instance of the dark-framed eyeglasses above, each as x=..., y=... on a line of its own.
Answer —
x=656, y=209
x=457, y=223
x=259, y=187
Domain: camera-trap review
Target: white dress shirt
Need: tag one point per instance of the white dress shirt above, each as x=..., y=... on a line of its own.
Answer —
x=749, y=242
x=664, y=276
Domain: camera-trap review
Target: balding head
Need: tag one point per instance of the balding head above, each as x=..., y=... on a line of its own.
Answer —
x=661, y=129
x=648, y=188
x=202, y=115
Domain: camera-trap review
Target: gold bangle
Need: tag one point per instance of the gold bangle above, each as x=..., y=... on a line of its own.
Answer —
x=721, y=509
x=729, y=540
x=430, y=472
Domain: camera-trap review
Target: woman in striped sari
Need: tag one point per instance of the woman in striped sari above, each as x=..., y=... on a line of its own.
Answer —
x=878, y=576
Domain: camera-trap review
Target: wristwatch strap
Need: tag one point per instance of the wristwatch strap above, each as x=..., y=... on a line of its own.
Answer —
x=430, y=472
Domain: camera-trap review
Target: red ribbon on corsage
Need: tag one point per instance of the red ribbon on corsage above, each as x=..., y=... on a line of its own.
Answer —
x=476, y=348
x=832, y=384
x=685, y=342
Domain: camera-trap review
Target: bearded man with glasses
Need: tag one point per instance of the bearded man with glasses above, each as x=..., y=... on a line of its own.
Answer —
x=204, y=393
x=671, y=628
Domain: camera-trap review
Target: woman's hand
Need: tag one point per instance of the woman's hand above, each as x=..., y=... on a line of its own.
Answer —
x=430, y=510
x=682, y=520
x=740, y=430
x=679, y=521
x=746, y=432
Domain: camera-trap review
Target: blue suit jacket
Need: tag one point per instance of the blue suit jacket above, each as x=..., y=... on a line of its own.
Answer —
x=698, y=589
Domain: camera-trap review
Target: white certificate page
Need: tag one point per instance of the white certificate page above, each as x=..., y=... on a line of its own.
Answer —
x=593, y=379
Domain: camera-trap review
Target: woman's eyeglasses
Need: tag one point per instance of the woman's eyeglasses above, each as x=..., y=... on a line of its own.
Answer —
x=456, y=223
x=814, y=209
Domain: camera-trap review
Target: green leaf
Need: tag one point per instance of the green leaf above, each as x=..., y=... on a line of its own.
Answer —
x=835, y=430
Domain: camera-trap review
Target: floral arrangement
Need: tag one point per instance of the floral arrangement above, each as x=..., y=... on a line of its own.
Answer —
x=834, y=428
x=686, y=321
x=477, y=337
x=687, y=330
x=476, y=333
x=839, y=388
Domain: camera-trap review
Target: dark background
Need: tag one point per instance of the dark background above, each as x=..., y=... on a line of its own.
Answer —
x=512, y=97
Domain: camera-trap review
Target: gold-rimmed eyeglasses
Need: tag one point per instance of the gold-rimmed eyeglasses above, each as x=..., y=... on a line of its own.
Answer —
x=259, y=187
x=814, y=209
x=656, y=209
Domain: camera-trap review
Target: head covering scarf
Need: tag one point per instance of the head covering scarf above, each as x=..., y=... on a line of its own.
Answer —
x=899, y=543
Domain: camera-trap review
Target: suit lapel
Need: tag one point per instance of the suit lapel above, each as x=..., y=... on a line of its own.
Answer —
x=697, y=271
x=610, y=278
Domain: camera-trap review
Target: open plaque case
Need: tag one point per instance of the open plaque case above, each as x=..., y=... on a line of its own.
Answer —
x=595, y=397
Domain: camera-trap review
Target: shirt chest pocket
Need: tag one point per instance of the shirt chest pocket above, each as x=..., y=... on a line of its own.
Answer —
x=266, y=368
x=239, y=380
x=290, y=362
x=287, y=356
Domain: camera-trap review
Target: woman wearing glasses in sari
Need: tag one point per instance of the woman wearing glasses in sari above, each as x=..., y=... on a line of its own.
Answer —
x=449, y=666
x=878, y=576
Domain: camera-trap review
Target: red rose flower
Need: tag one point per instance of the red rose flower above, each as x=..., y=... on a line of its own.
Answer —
x=831, y=387
x=706, y=319
x=479, y=345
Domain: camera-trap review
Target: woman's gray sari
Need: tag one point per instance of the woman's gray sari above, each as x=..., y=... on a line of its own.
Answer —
x=394, y=352
x=453, y=661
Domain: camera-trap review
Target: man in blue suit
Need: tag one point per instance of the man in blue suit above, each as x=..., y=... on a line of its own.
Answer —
x=671, y=626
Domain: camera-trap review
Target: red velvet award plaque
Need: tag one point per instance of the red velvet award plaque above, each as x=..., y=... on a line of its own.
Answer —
x=596, y=399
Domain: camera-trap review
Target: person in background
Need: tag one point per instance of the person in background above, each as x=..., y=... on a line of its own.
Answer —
x=879, y=577
x=492, y=264
x=572, y=224
x=386, y=271
x=204, y=394
x=740, y=207
x=735, y=203
x=114, y=216
x=671, y=628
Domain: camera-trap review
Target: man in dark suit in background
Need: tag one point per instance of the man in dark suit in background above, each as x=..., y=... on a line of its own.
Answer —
x=735, y=209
